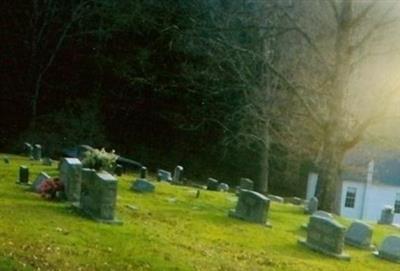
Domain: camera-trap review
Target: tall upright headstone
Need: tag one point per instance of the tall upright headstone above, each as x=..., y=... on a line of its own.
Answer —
x=390, y=249
x=143, y=172
x=246, y=183
x=387, y=215
x=326, y=236
x=37, y=152
x=23, y=175
x=311, y=206
x=251, y=206
x=71, y=177
x=359, y=235
x=28, y=148
x=177, y=175
x=99, y=195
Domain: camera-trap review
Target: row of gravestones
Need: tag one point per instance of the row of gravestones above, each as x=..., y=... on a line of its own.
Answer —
x=34, y=152
x=324, y=234
x=328, y=236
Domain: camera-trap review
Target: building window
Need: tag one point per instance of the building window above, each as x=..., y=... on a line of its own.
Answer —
x=350, y=197
x=397, y=204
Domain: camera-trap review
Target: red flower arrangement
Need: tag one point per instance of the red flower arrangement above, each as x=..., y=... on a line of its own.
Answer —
x=49, y=188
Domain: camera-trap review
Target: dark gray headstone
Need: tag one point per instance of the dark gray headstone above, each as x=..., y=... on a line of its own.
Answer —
x=390, y=249
x=323, y=214
x=177, y=175
x=118, y=170
x=43, y=176
x=71, y=177
x=6, y=160
x=163, y=175
x=251, y=206
x=212, y=184
x=359, y=235
x=325, y=236
x=37, y=152
x=142, y=186
x=311, y=206
x=387, y=215
x=143, y=172
x=223, y=187
x=28, y=149
x=23, y=175
x=246, y=183
x=99, y=195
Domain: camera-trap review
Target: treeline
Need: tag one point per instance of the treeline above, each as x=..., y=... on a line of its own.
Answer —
x=227, y=89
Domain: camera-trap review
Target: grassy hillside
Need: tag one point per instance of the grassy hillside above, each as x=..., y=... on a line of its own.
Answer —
x=170, y=229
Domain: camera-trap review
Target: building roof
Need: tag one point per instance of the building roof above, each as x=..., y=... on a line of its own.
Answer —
x=386, y=170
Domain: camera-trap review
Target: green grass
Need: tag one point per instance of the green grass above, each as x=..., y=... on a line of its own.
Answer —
x=170, y=230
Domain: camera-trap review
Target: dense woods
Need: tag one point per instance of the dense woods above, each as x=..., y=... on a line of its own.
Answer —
x=229, y=89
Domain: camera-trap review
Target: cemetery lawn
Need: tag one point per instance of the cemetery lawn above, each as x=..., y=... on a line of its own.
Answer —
x=170, y=229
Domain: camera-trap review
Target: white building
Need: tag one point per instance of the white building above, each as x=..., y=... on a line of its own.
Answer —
x=365, y=198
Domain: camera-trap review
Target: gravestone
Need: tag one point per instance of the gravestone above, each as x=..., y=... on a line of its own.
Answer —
x=246, y=183
x=163, y=175
x=387, y=215
x=321, y=214
x=6, y=160
x=143, y=172
x=251, y=206
x=37, y=152
x=142, y=186
x=71, y=177
x=212, y=184
x=47, y=161
x=359, y=235
x=325, y=236
x=223, y=187
x=311, y=206
x=294, y=200
x=177, y=175
x=276, y=198
x=390, y=249
x=118, y=170
x=28, y=149
x=99, y=195
x=23, y=175
x=43, y=176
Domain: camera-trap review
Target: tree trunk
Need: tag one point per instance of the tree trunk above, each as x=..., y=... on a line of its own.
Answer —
x=329, y=178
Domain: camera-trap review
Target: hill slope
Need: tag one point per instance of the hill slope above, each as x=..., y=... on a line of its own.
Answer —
x=170, y=229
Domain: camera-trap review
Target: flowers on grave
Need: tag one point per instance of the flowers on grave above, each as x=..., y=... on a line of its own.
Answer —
x=99, y=159
x=50, y=188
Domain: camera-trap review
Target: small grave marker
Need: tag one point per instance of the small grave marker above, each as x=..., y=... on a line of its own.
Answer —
x=212, y=184
x=163, y=175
